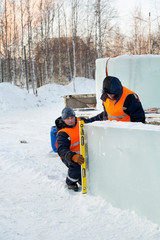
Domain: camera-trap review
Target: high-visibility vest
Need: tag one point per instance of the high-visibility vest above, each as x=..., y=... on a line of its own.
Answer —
x=74, y=137
x=115, y=111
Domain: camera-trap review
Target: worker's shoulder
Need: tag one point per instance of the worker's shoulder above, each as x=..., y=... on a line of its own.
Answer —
x=131, y=98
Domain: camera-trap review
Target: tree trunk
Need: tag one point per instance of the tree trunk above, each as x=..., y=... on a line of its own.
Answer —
x=31, y=55
x=22, y=31
x=99, y=28
x=74, y=35
x=14, y=46
x=67, y=44
x=59, y=48
x=6, y=44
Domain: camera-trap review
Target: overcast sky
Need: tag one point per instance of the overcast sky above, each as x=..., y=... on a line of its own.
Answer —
x=126, y=9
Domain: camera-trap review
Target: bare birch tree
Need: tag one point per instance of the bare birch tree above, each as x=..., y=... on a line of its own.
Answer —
x=30, y=43
x=90, y=26
x=67, y=44
x=1, y=69
x=41, y=43
x=59, y=47
x=138, y=34
x=22, y=43
x=99, y=28
x=5, y=76
x=74, y=35
x=52, y=42
x=46, y=43
x=14, y=44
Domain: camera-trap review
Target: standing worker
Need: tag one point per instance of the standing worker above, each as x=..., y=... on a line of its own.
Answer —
x=120, y=103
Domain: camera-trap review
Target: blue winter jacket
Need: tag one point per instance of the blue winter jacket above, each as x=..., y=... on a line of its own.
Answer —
x=63, y=140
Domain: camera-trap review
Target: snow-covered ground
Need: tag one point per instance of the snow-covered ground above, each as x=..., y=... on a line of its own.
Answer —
x=34, y=201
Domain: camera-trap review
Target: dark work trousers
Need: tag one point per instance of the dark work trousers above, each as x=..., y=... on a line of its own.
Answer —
x=74, y=172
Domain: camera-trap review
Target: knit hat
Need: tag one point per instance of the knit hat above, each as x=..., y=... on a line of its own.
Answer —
x=112, y=85
x=67, y=112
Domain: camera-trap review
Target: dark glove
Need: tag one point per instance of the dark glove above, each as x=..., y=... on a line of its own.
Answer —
x=78, y=158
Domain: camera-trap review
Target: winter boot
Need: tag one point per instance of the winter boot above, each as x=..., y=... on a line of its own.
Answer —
x=79, y=182
x=73, y=187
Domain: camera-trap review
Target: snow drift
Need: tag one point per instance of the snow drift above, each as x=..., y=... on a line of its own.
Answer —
x=34, y=202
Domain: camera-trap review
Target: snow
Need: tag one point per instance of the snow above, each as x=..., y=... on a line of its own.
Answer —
x=130, y=125
x=34, y=201
x=13, y=98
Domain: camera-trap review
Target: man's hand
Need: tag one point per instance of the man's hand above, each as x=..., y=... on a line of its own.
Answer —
x=78, y=158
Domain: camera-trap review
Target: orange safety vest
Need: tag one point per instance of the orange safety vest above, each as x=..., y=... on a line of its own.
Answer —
x=115, y=111
x=74, y=136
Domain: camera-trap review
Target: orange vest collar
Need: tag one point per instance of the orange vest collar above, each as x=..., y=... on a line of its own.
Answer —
x=74, y=137
x=115, y=111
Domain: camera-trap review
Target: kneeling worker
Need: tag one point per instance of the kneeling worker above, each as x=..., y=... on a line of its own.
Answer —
x=68, y=144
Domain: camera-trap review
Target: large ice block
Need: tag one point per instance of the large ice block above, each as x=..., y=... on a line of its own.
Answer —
x=124, y=165
x=140, y=73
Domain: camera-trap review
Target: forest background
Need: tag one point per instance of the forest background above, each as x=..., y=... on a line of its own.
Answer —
x=49, y=41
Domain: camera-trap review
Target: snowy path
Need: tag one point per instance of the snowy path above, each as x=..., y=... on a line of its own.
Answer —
x=34, y=203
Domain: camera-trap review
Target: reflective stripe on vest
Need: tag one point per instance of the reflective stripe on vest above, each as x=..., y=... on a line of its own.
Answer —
x=115, y=111
x=74, y=144
x=117, y=117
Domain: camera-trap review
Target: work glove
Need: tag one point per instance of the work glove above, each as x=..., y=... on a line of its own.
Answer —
x=78, y=158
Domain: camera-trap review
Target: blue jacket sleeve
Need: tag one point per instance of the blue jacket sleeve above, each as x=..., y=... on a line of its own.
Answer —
x=133, y=107
x=99, y=117
x=63, y=144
